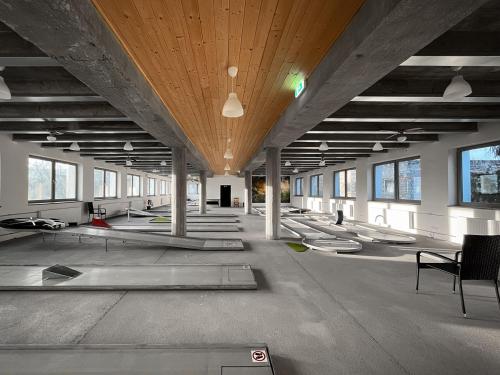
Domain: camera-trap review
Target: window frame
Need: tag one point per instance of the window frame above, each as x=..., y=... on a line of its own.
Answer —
x=345, y=184
x=53, y=181
x=396, y=198
x=301, y=187
x=132, y=190
x=163, y=183
x=104, y=184
x=149, y=185
x=310, y=185
x=459, y=177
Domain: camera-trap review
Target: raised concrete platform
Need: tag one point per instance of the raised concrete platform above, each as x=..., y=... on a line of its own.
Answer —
x=166, y=228
x=135, y=277
x=197, y=220
x=135, y=359
x=191, y=243
x=340, y=246
x=303, y=230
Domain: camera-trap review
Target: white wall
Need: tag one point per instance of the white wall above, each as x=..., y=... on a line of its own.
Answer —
x=14, y=184
x=438, y=215
x=237, y=187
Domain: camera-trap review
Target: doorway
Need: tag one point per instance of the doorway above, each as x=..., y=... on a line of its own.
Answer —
x=225, y=195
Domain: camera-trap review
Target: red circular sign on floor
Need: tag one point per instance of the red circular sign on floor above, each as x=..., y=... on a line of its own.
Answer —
x=259, y=356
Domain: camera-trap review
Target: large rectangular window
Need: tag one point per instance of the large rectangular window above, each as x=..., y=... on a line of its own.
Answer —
x=398, y=180
x=192, y=188
x=299, y=186
x=316, y=186
x=344, y=183
x=151, y=186
x=163, y=187
x=51, y=180
x=479, y=174
x=104, y=183
x=133, y=185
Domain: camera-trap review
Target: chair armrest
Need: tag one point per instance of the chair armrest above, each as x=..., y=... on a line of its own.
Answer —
x=457, y=254
x=442, y=257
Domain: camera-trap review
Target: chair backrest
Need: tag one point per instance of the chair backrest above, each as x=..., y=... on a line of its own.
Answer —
x=90, y=207
x=480, y=257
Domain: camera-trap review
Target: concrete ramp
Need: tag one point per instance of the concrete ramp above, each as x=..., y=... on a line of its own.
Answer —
x=132, y=277
x=135, y=359
x=167, y=229
x=152, y=238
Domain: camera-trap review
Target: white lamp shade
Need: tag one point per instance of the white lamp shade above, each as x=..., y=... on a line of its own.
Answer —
x=226, y=173
x=128, y=163
x=377, y=147
x=288, y=164
x=295, y=170
x=74, y=146
x=51, y=138
x=228, y=154
x=322, y=163
x=128, y=146
x=457, y=89
x=163, y=163
x=402, y=138
x=323, y=146
x=227, y=167
x=232, y=106
x=4, y=90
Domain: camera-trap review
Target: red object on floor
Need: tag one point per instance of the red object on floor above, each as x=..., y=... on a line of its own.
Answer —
x=100, y=223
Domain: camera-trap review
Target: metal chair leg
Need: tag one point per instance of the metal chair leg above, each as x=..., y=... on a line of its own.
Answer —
x=498, y=294
x=462, y=296
x=418, y=278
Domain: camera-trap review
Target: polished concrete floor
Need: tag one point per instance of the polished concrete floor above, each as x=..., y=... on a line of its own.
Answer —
x=319, y=314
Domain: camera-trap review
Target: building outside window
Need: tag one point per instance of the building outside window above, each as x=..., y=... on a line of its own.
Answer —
x=479, y=175
x=133, y=185
x=151, y=186
x=298, y=188
x=51, y=180
x=163, y=187
x=344, y=183
x=407, y=185
x=316, y=186
x=104, y=183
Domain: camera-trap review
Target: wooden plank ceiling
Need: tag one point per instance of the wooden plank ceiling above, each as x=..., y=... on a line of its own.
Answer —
x=184, y=47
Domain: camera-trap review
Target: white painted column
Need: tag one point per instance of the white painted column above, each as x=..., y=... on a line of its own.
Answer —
x=273, y=193
x=203, y=192
x=248, y=192
x=179, y=177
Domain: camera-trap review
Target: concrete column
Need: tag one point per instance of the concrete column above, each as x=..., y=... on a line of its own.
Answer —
x=179, y=178
x=203, y=192
x=273, y=193
x=248, y=192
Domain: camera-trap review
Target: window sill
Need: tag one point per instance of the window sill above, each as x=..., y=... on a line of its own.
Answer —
x=52, y=202
x=415, y=203
x=344, y=198
x=491, y=208
x=105, y=198
x=299, y=195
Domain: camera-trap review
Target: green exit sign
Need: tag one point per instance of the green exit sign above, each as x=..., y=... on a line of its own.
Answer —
x=299, y=88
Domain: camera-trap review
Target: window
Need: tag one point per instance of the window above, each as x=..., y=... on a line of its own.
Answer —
x=133, y=185
x=151, y=186
x=163, y=187
x=344, y=183
x=479, y=175
x=192, y=188
x=51, y=180
x=298, y=189
x=316, y=186
x=104, y=183
x=406, y=187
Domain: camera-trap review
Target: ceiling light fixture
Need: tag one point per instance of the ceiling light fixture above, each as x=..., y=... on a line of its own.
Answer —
x=51, y=137
x=295, y=170
x=74, y=147
x=4, y=89
x=323, y=146
x=458, y=88
x=128, y=163
x=378, y=147
x=322, y=162
x=226, y=173
x=228, y=154
x=232, y=106
x=227, y=167
x=288, y=164
x=128, y=146
x=163, y=163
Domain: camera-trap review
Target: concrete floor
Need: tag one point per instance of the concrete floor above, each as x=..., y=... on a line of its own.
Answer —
x=319, y=314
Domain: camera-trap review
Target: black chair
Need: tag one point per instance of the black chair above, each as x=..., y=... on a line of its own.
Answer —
x=480, y=260
x=100, y=212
